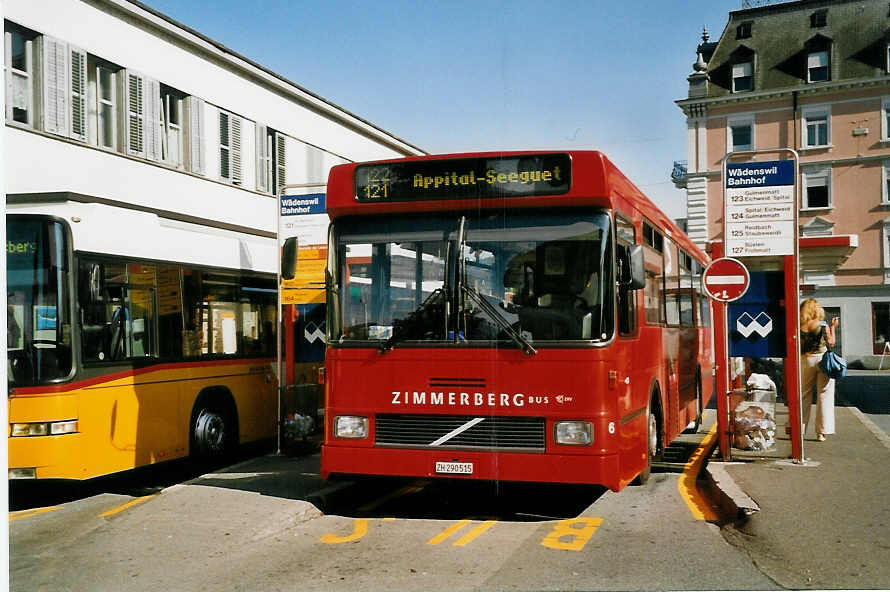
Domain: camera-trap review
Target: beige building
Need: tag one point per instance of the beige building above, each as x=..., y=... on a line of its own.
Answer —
x=813, y=76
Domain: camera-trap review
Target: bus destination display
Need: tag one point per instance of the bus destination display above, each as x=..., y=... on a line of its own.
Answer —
x=468, y=178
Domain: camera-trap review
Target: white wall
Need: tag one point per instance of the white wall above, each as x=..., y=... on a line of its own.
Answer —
x=37, y=163
x=188, y=70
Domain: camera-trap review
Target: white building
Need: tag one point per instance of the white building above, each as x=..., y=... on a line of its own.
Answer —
x=111, y=102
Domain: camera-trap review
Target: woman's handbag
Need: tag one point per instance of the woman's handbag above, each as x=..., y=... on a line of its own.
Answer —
x=831, y=364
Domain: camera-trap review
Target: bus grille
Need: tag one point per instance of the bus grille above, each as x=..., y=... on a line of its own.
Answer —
x=490, y=433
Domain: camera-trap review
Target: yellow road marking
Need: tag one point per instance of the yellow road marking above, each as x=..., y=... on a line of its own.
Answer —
x=360, y=530
x=699, y=506
x=473, y=534
x=129, y=504
x=13, y=516
x=450, y=531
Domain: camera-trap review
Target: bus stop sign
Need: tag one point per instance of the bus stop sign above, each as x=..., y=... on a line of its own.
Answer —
x=726, y=279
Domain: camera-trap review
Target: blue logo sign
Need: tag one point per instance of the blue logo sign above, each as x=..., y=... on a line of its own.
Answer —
x=299, y=205
x=760, y=174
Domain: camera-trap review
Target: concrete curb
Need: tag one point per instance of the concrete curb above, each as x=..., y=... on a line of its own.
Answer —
x=732, y=501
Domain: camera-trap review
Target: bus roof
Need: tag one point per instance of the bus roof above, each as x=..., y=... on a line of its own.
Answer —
x=515, y=179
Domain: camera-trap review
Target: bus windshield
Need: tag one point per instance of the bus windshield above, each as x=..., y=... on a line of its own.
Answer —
x=38, y=337
x=490, y=277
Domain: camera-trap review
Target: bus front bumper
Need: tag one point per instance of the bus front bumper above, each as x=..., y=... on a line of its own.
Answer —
x=600, y=469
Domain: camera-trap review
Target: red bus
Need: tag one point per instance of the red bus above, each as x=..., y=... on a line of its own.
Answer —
x=518, y=316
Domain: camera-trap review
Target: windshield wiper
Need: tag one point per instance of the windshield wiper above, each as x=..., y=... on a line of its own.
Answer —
x=399, y=331
x=492, y=312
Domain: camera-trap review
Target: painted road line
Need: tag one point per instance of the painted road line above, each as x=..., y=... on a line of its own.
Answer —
x=474, y=534
x=698, y=504
x=129, y=504
x=13, y=516
x=571, y=534
x=359, y=530
x=448, y=532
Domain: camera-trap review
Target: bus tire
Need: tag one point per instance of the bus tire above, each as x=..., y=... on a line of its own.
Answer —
x=699, y=407
x=653, y=441
x=214, y=431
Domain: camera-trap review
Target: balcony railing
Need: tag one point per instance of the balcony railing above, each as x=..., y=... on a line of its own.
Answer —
x=678, y=175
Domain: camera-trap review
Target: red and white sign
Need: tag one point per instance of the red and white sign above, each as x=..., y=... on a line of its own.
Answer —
x=726, y=279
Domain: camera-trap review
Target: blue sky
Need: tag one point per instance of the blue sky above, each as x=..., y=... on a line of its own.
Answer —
x=468, y=75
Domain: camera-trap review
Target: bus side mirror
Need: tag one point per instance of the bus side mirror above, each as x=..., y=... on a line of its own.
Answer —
x=289, y=259
x=632, y=274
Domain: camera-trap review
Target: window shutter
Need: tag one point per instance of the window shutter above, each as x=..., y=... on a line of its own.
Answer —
x=280, y=162
x=195, y=136
x=55, y=86
x=262, y=159
x=225, y=147
x=78, y=88
x=235, y=123
x=152, y=119
x=135, y=129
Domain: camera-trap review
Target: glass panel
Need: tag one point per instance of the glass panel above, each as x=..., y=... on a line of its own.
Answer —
x=38, y=331
x=106, y=84
x=880, y=327
x=546, y=276
x=106, y=125
x=19, y=58
x=671, y=283
x=541, y=275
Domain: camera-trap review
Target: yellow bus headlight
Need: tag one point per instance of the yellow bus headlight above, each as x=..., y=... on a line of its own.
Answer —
x=44, y=428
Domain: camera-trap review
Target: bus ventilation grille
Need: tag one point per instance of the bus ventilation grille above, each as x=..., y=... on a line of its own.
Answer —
x=444, y=431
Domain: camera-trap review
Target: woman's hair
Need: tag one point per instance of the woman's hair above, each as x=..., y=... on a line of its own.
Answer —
x=809, y=310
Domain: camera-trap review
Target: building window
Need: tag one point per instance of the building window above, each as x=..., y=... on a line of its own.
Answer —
x=885, y=120
x=885, y=183
x=743, y=77
x=816, y=128
x=743, y=31
x=19, y=52
x=818, y=66
x=819, y=19
x=817, y=188
x=740, y=134
x=172, y=111
x=880, y=323
x=104, y=83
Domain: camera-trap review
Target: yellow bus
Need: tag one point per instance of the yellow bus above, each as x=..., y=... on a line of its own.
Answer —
x=134, y=337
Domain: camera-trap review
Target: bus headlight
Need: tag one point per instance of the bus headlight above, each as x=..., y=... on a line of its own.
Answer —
x=578, y=433
x=22, y=473
x=351, y=426
x=43, y=428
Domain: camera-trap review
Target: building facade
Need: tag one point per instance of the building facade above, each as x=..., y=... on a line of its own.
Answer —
x=111, y=102
x=813, y=76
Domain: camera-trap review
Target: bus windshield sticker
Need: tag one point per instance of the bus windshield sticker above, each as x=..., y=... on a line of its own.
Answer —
x=467, y=178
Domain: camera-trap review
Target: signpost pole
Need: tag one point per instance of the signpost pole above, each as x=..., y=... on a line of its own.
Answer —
x=721, y=355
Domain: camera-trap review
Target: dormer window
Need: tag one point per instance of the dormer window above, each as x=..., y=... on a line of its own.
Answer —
x=818, y=66
x=743, y=31
x=743, y=77
x=819, y=19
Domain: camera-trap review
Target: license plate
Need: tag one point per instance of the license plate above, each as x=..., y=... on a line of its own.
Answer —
x=454, y=468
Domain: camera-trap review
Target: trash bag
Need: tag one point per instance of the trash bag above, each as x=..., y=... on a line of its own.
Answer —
x=754, y=429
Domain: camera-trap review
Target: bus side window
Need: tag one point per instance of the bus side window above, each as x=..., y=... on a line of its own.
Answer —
x=654, y=265
x=627, y=298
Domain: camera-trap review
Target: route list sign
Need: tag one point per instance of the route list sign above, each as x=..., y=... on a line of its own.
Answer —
x=759, y=209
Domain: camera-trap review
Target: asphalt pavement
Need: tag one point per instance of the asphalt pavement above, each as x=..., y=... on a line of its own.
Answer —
x=820, y=524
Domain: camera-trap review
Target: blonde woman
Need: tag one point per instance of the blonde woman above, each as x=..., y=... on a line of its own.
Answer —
x=815, y=337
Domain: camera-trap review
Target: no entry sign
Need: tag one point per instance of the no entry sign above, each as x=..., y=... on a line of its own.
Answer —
x=725, y=279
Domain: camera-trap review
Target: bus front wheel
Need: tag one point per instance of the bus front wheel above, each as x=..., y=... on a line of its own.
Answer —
x=212, y=434
x=652, y=446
